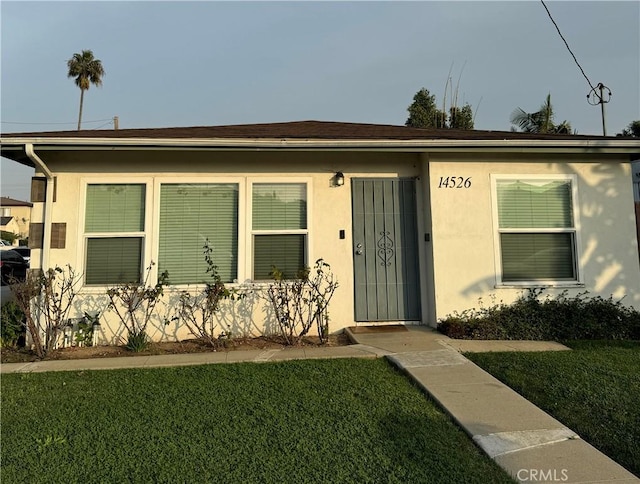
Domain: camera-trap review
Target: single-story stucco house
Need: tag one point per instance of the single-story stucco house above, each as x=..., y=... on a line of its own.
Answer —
x=415, y=223
x=15, y=216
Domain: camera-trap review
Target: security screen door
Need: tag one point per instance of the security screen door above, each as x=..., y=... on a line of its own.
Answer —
x=385, y=252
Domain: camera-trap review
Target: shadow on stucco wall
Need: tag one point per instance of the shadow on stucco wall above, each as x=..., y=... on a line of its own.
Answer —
x=236, y=317
x=608, y=245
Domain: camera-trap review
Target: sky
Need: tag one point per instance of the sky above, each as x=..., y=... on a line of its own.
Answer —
x=207, y=63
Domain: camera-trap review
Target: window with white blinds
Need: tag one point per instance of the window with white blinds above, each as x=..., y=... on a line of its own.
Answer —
x=279, y=228
x=114, y=233
x=192, y=215
x=536, y=226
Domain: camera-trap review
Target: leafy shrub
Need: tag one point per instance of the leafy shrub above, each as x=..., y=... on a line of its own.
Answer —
x=532, y=317
x=13, y=324
x=86, y=327
x=137, y=342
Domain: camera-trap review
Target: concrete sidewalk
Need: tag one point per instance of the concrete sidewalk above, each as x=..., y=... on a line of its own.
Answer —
x=527, y=442
x=189, y=359
x=530, y=444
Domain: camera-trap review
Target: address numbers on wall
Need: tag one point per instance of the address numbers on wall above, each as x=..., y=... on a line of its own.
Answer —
x=454, y=182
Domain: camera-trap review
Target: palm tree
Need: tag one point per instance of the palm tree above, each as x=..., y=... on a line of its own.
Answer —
x=86, y=71
x=540, y=121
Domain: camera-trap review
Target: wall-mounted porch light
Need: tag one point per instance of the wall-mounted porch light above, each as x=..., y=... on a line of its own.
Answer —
x=338, y=179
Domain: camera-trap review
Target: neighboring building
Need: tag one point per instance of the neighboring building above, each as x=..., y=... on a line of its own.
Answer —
x=416, y=223
x=635, y=170
x=15, y=216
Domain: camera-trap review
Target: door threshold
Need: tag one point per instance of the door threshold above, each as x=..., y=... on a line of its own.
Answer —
x=386, y=328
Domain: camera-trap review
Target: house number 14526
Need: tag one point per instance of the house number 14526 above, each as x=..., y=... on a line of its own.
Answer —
x=454, y=182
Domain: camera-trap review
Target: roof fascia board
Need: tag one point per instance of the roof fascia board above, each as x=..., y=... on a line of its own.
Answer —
x=517, y=145
x=388, y=149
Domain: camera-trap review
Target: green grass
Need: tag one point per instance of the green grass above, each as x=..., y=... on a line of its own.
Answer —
x=594, y=390
x=304, y=421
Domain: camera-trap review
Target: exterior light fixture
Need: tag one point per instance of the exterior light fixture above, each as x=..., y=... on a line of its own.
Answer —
x=338, y=179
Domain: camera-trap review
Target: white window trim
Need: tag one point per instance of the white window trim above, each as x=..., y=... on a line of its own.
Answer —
x=202, y=180
x=151, y=231
x=308, y=181
x=83, y=236
x=578, y=282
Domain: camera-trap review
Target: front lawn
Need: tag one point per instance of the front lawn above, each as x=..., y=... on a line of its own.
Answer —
x=303, y=421
x=594, y=390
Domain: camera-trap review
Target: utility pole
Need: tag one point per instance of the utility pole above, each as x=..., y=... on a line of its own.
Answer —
x=604, y=124
x=601, y=97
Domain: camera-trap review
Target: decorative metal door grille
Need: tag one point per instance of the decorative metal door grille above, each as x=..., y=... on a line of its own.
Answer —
x=385, y=252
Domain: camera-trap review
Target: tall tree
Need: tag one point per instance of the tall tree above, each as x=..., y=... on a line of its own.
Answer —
x=540, y=121
x=423, y=113
x=86, y=70
x=633, y=129
x=461, y=118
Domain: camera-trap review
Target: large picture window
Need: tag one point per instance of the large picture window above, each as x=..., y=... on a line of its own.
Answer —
x=279, y=228
x=537, y=230
x=191, y=215
x=114, y=233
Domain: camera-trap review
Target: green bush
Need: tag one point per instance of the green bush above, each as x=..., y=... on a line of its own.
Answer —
x=12, y=324
x=137, y=342
x=533, y=317
x=10, y=236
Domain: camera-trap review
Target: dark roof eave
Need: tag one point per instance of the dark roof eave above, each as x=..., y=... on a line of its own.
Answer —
x=15, y=148
x=309, y=135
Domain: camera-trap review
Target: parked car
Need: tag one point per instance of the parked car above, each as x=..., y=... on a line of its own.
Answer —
x=24, y=251
x=12, y=267
x=5, y=245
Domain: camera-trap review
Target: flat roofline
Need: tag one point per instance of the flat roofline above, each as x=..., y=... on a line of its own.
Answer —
x=14, y=147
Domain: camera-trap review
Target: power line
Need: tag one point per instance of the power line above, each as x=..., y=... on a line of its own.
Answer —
x=565, y=43
x=105, y=124
x=72, y=122
x=593, y=97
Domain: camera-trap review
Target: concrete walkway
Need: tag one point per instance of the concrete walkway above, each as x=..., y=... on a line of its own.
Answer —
x=527, y=442
x=530, y=444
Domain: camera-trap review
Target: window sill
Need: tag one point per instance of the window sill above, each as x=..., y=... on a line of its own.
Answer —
x=541, y=285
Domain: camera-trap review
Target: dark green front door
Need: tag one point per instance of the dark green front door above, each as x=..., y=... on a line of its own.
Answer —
x=385, y=250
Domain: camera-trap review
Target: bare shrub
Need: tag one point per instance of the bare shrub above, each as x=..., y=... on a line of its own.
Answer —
x=134, y=303
x=303, y=302
x=46, y=298
x=199, y=311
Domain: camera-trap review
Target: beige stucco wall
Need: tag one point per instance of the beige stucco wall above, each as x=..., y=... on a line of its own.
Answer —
x=458, y=221
x=329, y=211
x=20, y=223
x=463, y=229
x=12, y=227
